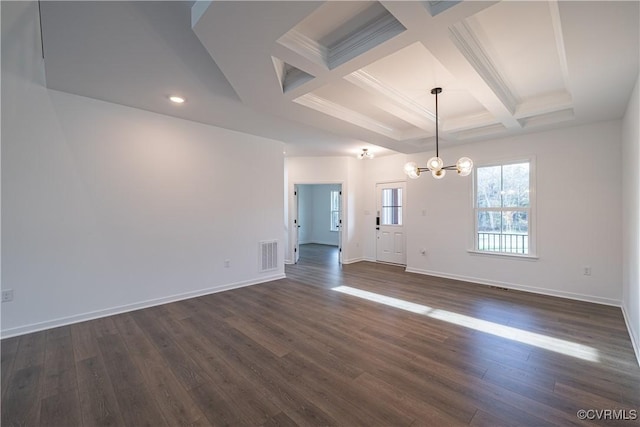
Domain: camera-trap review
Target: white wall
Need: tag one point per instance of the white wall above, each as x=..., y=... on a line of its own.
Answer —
x=577, y=216
x=314, y=214
x=353, y=236
x=107, y=208
x=631, y=218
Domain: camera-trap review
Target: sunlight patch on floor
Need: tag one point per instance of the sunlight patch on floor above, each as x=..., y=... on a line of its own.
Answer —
x=531, y=338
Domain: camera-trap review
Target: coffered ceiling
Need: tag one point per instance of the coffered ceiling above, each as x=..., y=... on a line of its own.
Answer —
x=329, y=78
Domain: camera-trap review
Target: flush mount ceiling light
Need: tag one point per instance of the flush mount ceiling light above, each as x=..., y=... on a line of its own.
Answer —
x=176, y=99
x=435, y=165
x=365, y=154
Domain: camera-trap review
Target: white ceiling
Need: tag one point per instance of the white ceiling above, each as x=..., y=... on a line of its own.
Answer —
x=329, y=78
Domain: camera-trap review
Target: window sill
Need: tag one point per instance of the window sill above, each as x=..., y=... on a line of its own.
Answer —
x=504, y=255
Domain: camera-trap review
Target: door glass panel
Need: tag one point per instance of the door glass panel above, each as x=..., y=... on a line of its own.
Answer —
x=391, y=209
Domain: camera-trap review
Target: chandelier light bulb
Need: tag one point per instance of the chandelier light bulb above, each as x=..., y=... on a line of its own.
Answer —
x=464, y=166
x=438, y=174
x=411, y=169
x=435, y=163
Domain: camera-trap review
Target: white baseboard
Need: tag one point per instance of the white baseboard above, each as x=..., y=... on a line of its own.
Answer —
x=532, y=289
x=315, y=242
x=35, y=327
x=634, y=342
x=352, y=260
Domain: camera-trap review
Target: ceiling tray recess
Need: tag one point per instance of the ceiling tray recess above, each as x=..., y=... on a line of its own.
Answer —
x=355, y=28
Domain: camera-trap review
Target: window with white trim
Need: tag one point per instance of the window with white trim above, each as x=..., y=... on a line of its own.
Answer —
x=503, y=208
x=335, y=211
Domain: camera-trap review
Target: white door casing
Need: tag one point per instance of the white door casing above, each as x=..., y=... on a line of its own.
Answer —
x=296, y=226
x=390, y=236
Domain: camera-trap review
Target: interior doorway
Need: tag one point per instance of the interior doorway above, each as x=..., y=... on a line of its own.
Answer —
x=318, y=222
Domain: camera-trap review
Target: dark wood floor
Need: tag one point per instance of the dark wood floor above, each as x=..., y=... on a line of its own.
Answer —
x=295, y=351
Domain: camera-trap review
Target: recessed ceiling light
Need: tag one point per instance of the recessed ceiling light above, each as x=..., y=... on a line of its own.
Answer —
x=176, y=99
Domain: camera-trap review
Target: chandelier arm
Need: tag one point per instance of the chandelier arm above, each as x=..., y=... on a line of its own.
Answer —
x=451, y=168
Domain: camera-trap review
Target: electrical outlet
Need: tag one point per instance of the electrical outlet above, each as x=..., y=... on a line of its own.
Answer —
x=586, y=271
x=7, y=295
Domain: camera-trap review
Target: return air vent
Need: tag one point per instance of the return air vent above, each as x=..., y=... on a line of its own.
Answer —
x=268, y=255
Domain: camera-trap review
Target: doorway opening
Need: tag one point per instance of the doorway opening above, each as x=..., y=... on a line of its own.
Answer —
x=318, y=223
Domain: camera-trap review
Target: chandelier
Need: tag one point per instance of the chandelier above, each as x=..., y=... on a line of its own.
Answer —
x=365, y=154
x=435, y=165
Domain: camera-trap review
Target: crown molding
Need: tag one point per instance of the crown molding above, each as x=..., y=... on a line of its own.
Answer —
x=343, y=113
x=468, y=122
x=305, y=46
x=479, y=132
x=364, y=39
x=370, y=83
x=543, y=104
x=471, y=48
x=557, y=31
x=547, y=118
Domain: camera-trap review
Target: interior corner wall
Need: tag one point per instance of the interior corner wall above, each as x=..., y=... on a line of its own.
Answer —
x=107, y=208
x=631, y=218
x=579, y=202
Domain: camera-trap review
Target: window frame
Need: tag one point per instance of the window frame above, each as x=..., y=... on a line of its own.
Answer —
x=531, y=210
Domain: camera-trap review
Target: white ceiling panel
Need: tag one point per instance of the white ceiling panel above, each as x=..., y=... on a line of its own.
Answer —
x=520, y=39
x=413, y=71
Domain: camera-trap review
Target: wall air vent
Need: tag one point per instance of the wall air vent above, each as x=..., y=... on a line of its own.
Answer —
x=268, y=255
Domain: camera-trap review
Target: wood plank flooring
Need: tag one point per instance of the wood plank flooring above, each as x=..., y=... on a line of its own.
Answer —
x=297, y=352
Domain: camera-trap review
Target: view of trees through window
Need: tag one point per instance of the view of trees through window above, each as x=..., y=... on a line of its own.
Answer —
x=503, y=208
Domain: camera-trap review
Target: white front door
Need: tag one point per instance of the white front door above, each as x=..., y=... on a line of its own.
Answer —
x=390, y=243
